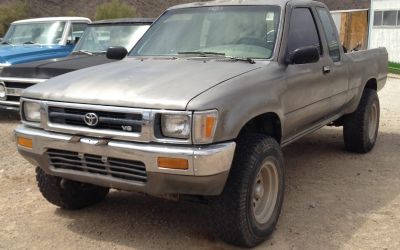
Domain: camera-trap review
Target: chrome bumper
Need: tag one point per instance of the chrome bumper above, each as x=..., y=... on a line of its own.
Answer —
x=207, y=173
x=9, y=105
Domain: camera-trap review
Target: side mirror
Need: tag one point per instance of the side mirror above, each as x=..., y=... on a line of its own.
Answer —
x=116, y=53
x=74, y=41
x=303, y=55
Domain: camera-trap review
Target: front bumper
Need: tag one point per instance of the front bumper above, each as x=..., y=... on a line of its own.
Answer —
x=206, y=175
x=9, y=105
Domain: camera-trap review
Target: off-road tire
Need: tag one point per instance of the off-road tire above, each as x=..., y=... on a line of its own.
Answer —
x=68, y=194
x=231, y=214
x=357, y=135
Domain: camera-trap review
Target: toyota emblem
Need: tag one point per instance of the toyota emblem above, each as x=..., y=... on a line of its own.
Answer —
x=91, y=119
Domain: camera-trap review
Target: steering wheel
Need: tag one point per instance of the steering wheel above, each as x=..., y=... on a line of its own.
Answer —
x=254, y=41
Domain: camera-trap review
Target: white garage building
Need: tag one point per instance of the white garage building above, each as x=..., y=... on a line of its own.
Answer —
x=385, y=27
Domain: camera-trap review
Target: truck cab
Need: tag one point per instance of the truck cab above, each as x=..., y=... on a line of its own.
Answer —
x=40, y=38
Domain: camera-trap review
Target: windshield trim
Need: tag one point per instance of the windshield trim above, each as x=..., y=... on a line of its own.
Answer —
x=274, y=55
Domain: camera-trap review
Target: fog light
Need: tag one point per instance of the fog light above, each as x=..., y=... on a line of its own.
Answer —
x=25, y=142
x=173, y=163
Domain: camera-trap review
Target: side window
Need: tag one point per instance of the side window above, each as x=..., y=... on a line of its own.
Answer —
x=77, y=30
x=303, y=31
x=329, y=29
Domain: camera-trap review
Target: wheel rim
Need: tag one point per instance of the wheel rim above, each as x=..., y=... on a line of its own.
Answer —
x=373, y=122
x=265, y=192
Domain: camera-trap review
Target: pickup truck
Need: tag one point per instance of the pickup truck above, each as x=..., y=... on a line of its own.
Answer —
x=40, y=38
x=201, y=108
x=89, y=51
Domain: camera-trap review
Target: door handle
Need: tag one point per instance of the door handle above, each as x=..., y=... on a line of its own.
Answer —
x=326, y=69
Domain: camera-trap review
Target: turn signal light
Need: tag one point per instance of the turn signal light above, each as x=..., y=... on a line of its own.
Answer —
x=25, y=142
x=173, y=163
x=209, y=126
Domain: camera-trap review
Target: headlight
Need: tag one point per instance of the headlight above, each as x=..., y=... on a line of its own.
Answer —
x=204, y=125
x=3, y=94
x=31, y=111
x=175, y=126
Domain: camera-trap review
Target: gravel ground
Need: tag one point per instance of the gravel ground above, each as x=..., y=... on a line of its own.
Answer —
x=334, y=200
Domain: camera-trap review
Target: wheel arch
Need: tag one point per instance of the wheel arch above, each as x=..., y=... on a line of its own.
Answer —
x=371, y=83
x=268, y=123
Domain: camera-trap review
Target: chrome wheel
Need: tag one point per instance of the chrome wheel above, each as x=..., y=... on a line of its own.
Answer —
x=372, y=122
x=265, y=192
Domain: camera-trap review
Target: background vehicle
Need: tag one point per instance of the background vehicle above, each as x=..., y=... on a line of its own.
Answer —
x=90, y=51
x=203, y=108
x=39, y=39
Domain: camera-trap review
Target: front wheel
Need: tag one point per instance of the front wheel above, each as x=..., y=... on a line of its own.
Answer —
x=68, y=194
x=247, y=211
x=360, y=129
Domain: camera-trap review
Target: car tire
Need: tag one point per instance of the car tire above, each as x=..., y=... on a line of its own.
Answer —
x=68, y=194
x=360, y=129
x=247, y=211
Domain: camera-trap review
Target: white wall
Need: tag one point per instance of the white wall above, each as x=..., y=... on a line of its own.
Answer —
x=388, y=37
x=385, y=4
x=337, y=18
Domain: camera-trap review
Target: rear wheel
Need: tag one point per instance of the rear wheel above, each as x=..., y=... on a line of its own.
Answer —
x=69, y=194
x=360, y=129
x=247, y=211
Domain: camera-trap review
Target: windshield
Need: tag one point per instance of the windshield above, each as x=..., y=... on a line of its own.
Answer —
x=233, y=31
x=97, y=38
x=48, y=33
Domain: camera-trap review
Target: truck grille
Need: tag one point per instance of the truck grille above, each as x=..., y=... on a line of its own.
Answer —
x=117, y=168
x=15, y=86
x=116, y=121
x=18, y=85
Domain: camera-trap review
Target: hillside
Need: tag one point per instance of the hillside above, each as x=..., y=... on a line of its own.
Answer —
x=41, y=8
x=146, y=8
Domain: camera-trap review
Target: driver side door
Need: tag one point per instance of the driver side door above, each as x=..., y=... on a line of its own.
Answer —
x=306, y=99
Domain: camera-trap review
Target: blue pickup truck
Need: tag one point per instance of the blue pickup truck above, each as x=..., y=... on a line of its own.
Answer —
x=40, y=38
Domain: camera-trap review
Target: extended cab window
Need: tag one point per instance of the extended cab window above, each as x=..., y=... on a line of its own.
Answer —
x=302, y=30
x=329, y=29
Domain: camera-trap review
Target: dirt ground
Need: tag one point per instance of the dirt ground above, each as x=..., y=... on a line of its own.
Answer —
x=334, y=200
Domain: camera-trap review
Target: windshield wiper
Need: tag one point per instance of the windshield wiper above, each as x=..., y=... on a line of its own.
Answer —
x=247, y=59
x=201, y=53
x=84, y=52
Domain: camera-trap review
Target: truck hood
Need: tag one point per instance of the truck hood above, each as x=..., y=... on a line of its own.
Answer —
x=12, y=53
x=47, y=69
x=147, y=83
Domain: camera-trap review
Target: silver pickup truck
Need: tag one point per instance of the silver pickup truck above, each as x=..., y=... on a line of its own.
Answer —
x=201, y=108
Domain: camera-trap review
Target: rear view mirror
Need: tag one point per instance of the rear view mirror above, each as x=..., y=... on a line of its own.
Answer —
x=116, y=53
x=303, y=55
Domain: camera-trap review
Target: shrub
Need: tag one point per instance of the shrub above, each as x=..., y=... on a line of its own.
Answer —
x=115, y=9
x=394, y=68
x=10, y=13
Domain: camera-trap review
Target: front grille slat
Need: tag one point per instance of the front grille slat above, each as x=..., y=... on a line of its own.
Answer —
x=95, y=164
x=19, y=85
x=115, y=121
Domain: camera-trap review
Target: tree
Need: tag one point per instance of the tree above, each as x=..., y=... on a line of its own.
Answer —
x=10, y=13
x=115, y=9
